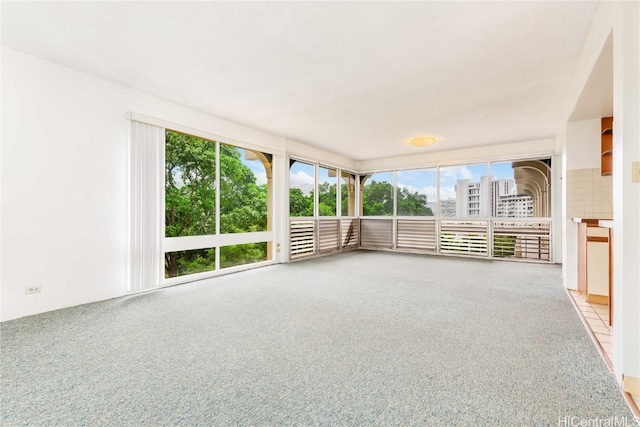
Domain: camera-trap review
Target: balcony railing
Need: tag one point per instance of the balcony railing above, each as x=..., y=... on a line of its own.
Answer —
x=309, y=236
x=513, y=238
x=524, y=239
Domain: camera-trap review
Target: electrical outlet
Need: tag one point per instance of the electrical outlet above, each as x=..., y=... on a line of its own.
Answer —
x=33, y=290
x=635, y=171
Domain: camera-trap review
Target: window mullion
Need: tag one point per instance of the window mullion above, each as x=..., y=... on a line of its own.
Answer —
x=217, y=163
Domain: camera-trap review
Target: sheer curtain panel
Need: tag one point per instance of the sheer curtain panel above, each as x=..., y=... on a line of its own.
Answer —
x=146, y=200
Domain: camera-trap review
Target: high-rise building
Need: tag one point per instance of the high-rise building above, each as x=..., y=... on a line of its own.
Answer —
x=491, y=198
x=515, y=206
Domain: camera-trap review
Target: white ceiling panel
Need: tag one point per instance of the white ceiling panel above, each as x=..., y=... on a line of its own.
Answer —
x=354, y=78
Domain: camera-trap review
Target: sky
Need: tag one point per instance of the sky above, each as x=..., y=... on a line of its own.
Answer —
x=256, y=167
x=422, y=181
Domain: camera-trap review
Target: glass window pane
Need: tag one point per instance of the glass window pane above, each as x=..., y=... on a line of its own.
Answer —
x=377, y=194
x=190, y=186
x=301, y=186
x=520, y=189
x=243, y=254
x=465, y=191
x=243, y=190
x=416, y=192
x=348, y=194
x=327, y=198
x=182, y=263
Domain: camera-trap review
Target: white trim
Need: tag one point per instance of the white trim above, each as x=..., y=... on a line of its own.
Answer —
x=497, y=159
x=214, y=273
x=326, y=165
x=185, y=243
x=199, y=133
x=217, y=206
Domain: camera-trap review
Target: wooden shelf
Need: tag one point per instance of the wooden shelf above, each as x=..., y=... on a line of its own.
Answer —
x=607, y=143
x=606, y=164
x=606, y=146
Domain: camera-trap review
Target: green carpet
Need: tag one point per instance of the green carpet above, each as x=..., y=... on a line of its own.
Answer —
x=360, y=338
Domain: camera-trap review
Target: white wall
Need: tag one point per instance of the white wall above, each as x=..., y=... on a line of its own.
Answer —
x=582, y=151
x=583, y=144
x=623, y=20
x=64, y=181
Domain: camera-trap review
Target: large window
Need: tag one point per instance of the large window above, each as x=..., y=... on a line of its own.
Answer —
x=327, y=197
x=377, y=194
x=196, y=215
x=301, y=188
x=520, y=189
x=243, y=190
x=244, y=195
x=348, y=194
x=416, y=192
x=190, y=200
x=465, y=191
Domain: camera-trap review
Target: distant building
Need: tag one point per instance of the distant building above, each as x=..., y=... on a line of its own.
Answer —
x=489, y=198
x=515, y=206
x=448, y=207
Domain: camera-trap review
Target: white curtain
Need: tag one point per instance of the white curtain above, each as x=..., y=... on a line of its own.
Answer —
x=146, y=202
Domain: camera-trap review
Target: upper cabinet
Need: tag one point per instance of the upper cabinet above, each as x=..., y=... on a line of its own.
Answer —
x=606, y=145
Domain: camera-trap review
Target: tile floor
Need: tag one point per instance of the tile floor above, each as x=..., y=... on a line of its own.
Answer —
x=597, y=316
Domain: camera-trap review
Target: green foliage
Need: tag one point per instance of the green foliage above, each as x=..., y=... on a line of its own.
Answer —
x=243, y=203
x=190, y=193
x=190, y=171
x=299, y=204
x=189, y=262
x=504, y=246
x=412, y=203
x=327, y=199
x=242, y=254
x=377, y=199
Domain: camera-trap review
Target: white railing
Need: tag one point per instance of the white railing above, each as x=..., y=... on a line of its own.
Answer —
x=417, y=234
x=313, y=236
x=512, y=238
x=522, y=239
x=464, y=237
x=302, y=238
x=376, y=233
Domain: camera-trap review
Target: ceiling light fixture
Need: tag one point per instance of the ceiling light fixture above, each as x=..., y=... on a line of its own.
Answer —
x=421, y=141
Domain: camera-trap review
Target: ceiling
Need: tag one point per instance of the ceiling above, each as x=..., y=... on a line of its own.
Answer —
x=353, y=78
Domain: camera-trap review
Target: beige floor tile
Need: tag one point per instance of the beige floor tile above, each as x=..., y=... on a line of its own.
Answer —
x=595, y=322
x=600, y=329
x=608, y=348
x=589, y=315
x=603, y=338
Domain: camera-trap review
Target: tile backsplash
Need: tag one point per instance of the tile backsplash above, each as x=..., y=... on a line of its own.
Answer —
x=589, y=194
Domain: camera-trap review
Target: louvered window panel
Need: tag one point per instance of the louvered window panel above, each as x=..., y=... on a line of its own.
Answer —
x=303, y=239
x=350, y=233
x=416, y=234
x=328, y=239
x=522, y=240
x=376, y=233
x=463, y=237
